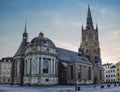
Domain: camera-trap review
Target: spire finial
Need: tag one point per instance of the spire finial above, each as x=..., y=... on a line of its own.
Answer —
x=41, y=34
x=25, y=34
x=82, y=27
x=89, y=23
x=25, y=26
x=89, y=12
x=96, y=26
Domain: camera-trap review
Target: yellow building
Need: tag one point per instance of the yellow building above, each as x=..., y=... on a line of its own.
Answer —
x=118, y=72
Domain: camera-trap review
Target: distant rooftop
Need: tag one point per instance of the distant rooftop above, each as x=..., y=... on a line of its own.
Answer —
x=113, y=66
x=6, y=59
x=107, y=64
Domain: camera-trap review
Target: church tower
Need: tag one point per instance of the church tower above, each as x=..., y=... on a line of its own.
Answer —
x=90, y=41
x=90, y=45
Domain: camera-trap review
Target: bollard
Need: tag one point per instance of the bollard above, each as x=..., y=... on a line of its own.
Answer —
x=78, y=88
x=108, y=85
x=115, y=85
x=102, y=86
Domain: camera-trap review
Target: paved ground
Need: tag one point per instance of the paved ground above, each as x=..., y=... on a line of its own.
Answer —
x=8, y=88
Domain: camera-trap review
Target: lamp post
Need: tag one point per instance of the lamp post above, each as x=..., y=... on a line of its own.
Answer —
x=76, y=78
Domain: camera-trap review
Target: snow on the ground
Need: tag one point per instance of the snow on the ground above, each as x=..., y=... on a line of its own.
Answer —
x=9, y=88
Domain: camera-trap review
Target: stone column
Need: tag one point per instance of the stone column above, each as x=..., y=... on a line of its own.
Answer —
x=41, y=65
x=54, y=66
x=87, y=73
x=25, y=67
x=37, y=60
x=51, y=67
x=82, y=73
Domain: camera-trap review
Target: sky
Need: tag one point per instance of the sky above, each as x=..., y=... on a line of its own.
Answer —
x=60, y=21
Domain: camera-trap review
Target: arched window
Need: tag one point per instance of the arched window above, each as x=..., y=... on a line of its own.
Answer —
x=94, y=36
x=89, y=73
x=95, y=44
x=71, y=68
x=95, y=51
x=87, y=51
x=79, y=72
x=17, y=68
x=86, y=37
x=45, y=66
x=25, y=67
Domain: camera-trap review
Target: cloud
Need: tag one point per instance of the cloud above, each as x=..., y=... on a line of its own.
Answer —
x=111, y=47
x=116, y=33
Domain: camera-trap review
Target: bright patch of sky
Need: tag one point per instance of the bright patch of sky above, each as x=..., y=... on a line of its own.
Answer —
x=60, y=20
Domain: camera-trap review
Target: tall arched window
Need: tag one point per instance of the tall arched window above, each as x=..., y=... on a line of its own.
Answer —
x=25, y=67
x=94, y=36
x=89, y=73
x=45, y=66
x=34, y=66
x=71, y=68
x=87, y=51
x=18, y=67
x=79, y=72
x=86, y=37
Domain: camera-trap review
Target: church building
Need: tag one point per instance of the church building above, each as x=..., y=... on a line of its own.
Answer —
x=40, y=62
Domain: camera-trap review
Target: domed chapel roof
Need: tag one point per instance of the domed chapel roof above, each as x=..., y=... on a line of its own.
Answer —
x=41, y=39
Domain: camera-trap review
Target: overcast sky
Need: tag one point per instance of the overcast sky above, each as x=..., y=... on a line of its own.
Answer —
x=60, y=20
